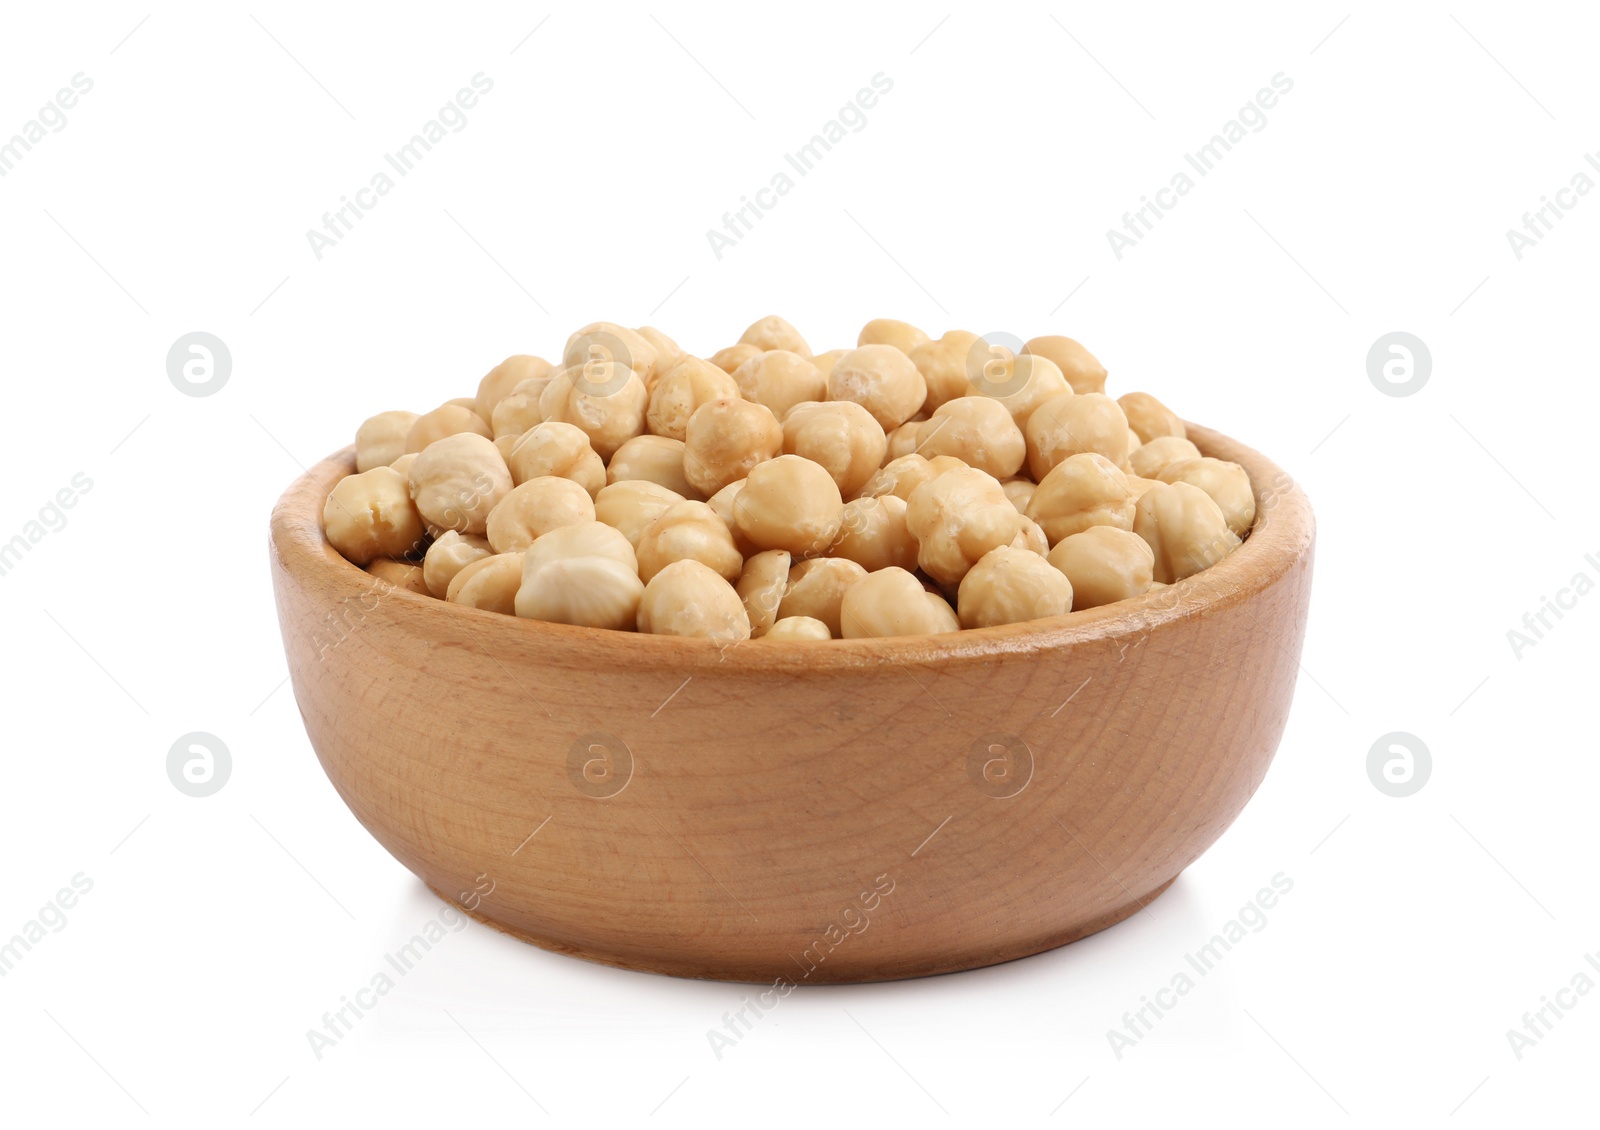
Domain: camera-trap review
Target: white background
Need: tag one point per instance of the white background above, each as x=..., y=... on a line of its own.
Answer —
x=1377, y=198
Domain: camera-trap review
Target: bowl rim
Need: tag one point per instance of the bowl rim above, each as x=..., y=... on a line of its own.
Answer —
x=1283, y=534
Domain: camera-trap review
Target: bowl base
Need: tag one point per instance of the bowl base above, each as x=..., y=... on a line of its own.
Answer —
x=900, y=971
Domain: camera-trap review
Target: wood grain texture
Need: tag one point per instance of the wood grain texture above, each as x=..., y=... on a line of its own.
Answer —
x=818, y=811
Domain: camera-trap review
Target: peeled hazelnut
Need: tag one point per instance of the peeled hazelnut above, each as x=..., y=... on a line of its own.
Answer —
x=399, y=575
x=817, y=588
x=654, y=459
x=381, y=439
x=683, y=388
x=901, y=441
x=517, y=411
x=1185, y=529
x=772, y=332
x=1139, y=485
x=446, y=420
x=630, y=506
x=584, y=574
x=733, y=356
x=1081, y=491
x=555, y=449
x=725, y=439
x=1149, y=418
x=1031, y=538
x=581, y=539
x=1227, y=483
x=1153, y=457
x=534, y=509
x=502, y=380
x=1008, y=586
x=892, y=602
x=668, y=352
x=688, y=599
x=882, y=380
x=956, y=519
x=722, y=502
x=943, y=365
x=490, y=584
x=798, y=628
x=1076, y=363
x=824, y=361
x=789, y=503
x=873, y=534
x=370, y=515
x=976, y=430
x=839, y=436
x=779, y=380
x=688, y=531
x=1105, y=564
x=891, y=331
x=1019, y=491
x=403, y=464
x=1019, y=381
x=448, y=555
x=900, y=477
x=600, y=345
x=605, y=399
x=457, y=481
x=591, y=592
x=1072, y=425
x=761, y=587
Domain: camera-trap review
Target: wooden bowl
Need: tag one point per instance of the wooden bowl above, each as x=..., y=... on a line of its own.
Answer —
x=858, y=810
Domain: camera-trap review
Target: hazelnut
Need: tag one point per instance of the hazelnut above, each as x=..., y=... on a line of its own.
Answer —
x=1072, y=425
x=839, y=436
x=882, y=380
x=817, y=587
x=892, y=602
x=725, y=439
x=683, y=388
x=779, y=380
x=688, y=599
x=957, y=518
x=789, y=503
x=1187, y=532
x=1076, y=363
x=458, y=480
x=1081, y=491
x=446, y=420
x=381, y=439
x=772, y=332
x=555, y=449
x=654, y=459
x=891, y=331
x=1105, y=564
x=534, y=509
x=1008, y=586
x=1227, y=483
x=688, y=531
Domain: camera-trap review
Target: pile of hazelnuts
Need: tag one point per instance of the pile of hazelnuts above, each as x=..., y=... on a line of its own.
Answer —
x=910, y=485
